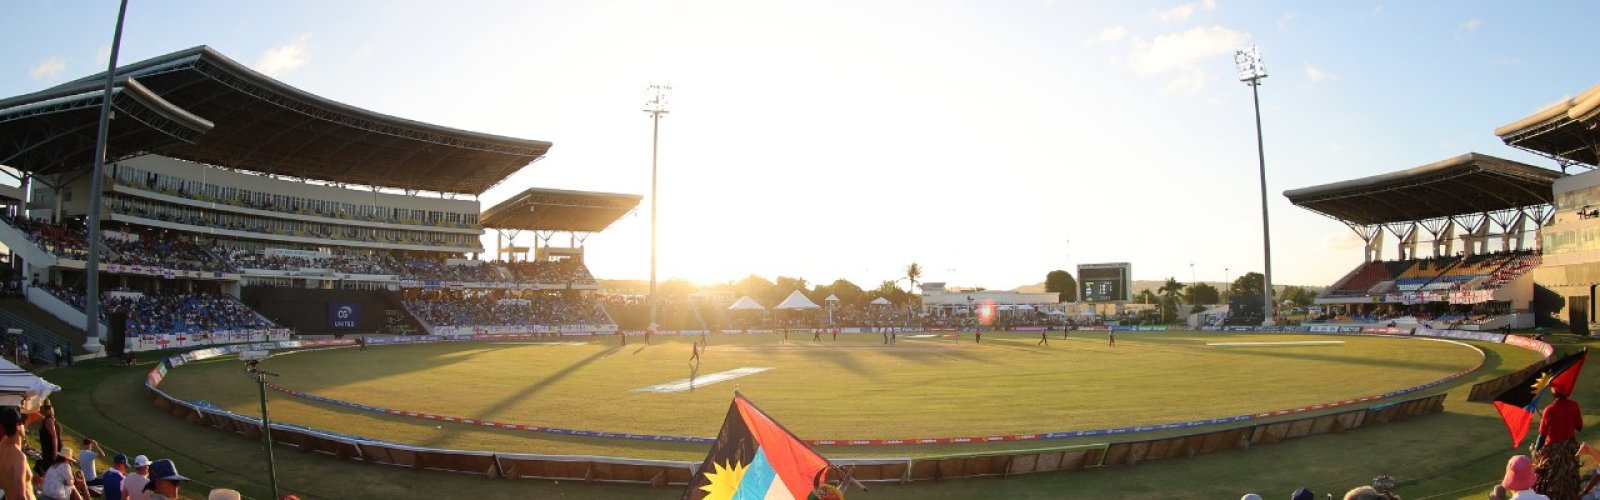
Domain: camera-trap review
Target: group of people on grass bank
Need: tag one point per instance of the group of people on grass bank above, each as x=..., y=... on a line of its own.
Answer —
x=1551, y=473
x=52, y=471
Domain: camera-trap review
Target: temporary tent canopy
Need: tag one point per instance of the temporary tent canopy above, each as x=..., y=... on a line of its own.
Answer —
x=23, y=389
x=880, y=301
x=797, y=300
x=746, y=304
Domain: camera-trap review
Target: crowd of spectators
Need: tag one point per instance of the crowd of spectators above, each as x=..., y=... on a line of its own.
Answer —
x=184, y=313
x=351, y=264
x=62, y=240
x=477, y=308
x=153, y=313
x=66, y=240
x=562, y=271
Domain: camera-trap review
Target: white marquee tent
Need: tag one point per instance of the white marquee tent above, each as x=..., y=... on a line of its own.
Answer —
x=797, y=300
x=746, y=304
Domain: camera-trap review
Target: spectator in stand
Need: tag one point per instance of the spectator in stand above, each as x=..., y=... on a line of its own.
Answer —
x=164, y=480
x=133, y=485
x=86, y=458
x=61, y=481
x=49, y=437
x=111, y=481
x=1555, y=462
x=16, y=477
x=1518, y=483
x=1369, y=493
x=223, y=494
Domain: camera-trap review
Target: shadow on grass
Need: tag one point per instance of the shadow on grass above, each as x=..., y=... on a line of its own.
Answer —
x=1334, y=358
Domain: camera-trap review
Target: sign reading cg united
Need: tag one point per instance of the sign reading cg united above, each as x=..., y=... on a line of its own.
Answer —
x=343, y=315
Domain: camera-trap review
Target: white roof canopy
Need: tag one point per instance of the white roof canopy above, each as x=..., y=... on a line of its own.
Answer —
x=22, y=388
x=797, y=300
x=746, y=304
x=880, y=301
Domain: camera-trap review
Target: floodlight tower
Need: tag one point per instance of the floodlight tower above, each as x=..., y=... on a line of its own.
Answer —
x=656, y=106
x=91, y=268
x=1251, y=71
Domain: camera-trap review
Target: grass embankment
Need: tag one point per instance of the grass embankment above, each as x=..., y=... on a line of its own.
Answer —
x=1464, y=447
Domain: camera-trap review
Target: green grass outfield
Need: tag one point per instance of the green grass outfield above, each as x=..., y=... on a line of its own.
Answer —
x=1462, y=449
x=853, y=388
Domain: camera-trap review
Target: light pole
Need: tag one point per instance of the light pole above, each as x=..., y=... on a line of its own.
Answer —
x=1251, y=71
x=91, y=293
x=266, y=425
x=656, y=106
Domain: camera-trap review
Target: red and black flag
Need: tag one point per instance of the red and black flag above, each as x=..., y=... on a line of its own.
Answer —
x=754, y=457
x=1518, y=403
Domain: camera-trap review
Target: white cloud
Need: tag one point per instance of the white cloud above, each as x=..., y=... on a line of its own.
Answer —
x=1183, y=12
x=1471, y=26
x=282, y=59
x=49, y=68
x=1111, y=34
x=1318, y=76
x=1176, y=14
x=1283, y=22
x=1187, y=53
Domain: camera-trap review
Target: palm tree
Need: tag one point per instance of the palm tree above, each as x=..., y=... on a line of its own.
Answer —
x=914, y=276
x=1144, y=297
x=1170, y=291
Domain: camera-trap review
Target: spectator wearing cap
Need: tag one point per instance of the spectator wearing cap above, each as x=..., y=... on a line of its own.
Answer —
x=16, y=479
x=111, y=481
x=86, y=458
x=1368, y=493
x=133, y=485
x=223, y=494
x=1519, y=481
x=1303, y=494
x=164, y=480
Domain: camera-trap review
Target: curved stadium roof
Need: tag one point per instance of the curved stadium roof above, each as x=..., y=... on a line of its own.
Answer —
x=1468, y=184
x=264, y=125
x=1568, y=131
x=55, y=131
x=539, y=209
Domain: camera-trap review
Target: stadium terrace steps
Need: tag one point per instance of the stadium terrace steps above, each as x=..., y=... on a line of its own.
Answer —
x=25, y=248
x=33, y=321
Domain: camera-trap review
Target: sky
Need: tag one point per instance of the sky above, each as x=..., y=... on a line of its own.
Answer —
x=989, y=142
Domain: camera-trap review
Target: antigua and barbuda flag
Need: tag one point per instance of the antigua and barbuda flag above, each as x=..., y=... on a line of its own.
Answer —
x=755, y=458
x=1520, y=402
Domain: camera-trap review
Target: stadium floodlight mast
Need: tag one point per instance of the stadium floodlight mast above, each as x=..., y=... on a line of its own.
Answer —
x=1251, y=71
x=91, y=307
x=656, y=106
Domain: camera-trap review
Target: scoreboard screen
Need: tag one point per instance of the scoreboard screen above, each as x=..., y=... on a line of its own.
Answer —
x=1103, y=282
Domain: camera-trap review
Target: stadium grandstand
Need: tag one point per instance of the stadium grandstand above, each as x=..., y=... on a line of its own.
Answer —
x=234, y=204
x=1569, y=133
x=1479, y=217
